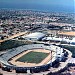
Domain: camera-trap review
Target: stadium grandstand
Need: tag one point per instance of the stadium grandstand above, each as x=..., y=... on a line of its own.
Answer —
x=7, y=66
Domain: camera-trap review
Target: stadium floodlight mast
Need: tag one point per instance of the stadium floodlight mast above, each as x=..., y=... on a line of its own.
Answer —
x=51, y=55
x=60, y=49
x=56, y=52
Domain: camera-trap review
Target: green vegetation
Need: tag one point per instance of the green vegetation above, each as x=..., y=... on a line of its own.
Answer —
x=33, y=57
x=70, y=48
x=10, y=44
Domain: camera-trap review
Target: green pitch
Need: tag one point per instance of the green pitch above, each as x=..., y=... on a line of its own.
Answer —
x=33, y=57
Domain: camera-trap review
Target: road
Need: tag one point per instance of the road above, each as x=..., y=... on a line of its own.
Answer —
x=14, y=36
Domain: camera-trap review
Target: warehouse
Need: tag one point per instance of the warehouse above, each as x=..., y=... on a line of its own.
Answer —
x=34, y=36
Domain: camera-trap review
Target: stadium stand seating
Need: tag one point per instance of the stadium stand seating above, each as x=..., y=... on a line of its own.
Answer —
x=15, y=51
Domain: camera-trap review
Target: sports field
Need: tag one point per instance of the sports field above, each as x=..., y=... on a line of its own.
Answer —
x=33, y=57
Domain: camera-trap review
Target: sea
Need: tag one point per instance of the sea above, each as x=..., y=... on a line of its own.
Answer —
x=48, y=8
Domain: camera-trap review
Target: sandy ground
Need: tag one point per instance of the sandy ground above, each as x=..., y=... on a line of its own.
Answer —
x=25, y=64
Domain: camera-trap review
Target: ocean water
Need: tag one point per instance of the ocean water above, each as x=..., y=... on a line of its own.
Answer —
x=49, y=8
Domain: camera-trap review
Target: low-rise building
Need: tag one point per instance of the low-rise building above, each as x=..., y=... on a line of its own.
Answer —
x=34, y=36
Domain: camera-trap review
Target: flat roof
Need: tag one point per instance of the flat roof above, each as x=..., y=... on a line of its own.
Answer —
x=35, y=35
x=67, y=33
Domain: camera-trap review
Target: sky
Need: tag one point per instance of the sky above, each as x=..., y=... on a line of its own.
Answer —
x=62, y=5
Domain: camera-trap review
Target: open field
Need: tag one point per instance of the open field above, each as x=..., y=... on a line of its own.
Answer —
x=30, y=58
x=33, y=57
x=11, y=44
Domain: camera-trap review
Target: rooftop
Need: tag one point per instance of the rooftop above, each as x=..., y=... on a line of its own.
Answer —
x=35, y=35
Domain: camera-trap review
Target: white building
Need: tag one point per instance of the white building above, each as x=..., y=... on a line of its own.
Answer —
x=34, y=36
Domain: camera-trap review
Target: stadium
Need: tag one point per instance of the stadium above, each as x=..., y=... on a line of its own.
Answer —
x=31, y=58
